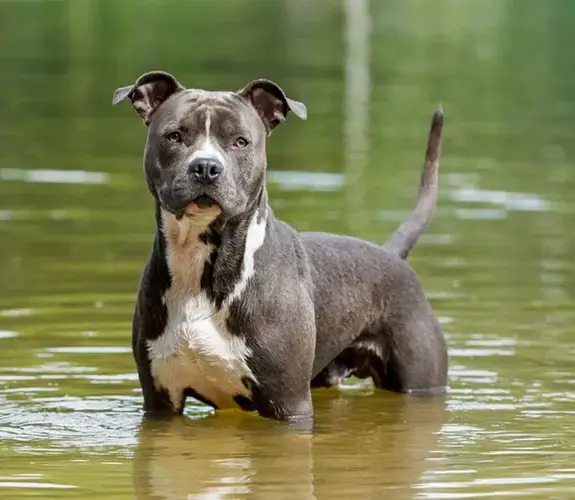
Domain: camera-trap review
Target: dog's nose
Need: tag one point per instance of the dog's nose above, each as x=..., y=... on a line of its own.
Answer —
x=205, y=170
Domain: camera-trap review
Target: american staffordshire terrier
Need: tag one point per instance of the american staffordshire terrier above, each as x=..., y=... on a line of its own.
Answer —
x=238, y=309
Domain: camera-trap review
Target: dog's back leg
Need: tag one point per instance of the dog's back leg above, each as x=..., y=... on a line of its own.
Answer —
x=412, y=355
x=396, y=358
x=400, y=243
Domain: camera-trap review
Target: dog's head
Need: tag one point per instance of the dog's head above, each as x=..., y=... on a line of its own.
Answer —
x=206, y=150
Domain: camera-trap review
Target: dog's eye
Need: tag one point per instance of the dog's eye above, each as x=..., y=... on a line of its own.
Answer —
x=240, y=143
x=174, y=137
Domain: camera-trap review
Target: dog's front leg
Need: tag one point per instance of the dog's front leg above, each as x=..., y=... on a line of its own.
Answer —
x=291, y=404
x=157, y=403
x=283, y=363
x=148, y=322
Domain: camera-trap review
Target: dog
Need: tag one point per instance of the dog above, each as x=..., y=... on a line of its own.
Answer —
x=235, y=307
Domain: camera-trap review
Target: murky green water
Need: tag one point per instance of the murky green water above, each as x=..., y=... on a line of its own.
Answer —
x=76, y=226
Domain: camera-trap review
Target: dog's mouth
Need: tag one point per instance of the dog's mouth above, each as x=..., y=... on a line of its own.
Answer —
x=202, y=209
x=204, y=201
x=203, y=205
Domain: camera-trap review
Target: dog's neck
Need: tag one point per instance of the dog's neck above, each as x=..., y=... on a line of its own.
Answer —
x=212, y=255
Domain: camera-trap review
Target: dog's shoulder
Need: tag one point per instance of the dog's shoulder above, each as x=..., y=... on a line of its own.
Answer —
x=283, y=247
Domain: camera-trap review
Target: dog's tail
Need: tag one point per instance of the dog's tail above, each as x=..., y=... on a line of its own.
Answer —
x=401, y=242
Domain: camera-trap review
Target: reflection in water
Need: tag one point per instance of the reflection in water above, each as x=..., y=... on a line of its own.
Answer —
x=53, y=176
x=356, y=117
x=221, y=457
x=357, y=450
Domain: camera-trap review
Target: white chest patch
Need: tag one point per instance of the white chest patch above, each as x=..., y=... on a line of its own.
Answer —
x=196, y=350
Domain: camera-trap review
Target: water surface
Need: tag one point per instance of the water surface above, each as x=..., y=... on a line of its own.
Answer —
x=76, y=225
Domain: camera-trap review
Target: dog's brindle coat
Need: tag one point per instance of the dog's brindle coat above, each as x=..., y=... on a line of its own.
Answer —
x=235, y=307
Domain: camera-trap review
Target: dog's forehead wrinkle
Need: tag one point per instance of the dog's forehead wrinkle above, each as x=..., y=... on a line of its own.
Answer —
x=217, y=121
x=228, y=122
x=228, y=113
x=200, y=97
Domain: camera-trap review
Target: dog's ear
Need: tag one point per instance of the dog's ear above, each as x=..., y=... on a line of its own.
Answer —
x=271, y=102
x=148, y=93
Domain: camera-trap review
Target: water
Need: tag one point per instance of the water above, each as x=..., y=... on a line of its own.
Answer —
x=76, y=226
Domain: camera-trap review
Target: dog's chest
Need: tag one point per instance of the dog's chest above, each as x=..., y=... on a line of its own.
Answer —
x=197, y=351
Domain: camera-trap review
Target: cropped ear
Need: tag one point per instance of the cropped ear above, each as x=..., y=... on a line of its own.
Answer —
x=271, y=102
x=148, y=93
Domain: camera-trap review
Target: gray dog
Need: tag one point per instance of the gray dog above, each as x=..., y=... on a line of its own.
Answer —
x=236, y=308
